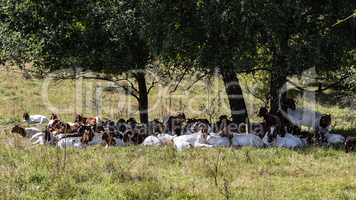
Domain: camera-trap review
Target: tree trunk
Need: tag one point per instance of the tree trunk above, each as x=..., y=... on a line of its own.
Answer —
x=143, y=97
x=235, y=96
x=278, y=79
x=279, y=74
x=277, y=95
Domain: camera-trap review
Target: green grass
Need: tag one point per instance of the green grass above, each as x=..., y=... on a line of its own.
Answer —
x=42, y=172
x=137, y=172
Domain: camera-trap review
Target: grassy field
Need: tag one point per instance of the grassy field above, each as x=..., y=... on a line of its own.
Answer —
x=18, y=95
x=138, y=172
x=42, y=172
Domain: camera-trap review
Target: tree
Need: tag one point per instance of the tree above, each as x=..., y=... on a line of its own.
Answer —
x=14, y=49
x=298, y=35
x=102, y=36
x=207, y=34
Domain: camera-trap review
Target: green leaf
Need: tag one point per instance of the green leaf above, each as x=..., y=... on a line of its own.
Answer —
x=177, y=26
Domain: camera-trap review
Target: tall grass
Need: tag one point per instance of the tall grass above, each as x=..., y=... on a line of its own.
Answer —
x=137, y=172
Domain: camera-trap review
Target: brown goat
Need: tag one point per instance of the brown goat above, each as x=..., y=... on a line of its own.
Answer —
x=87, y=136
x=92, y=121
x=350, y=144
x=19, y=130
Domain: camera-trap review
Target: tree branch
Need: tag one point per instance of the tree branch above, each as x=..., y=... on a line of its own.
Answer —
x=180, y=80
x=345, y=19
x=254, y=70
x=320, y=89
x=128, y=89
x=151, y=86
x=197, y=80
x=263, y=100
x=132, y=85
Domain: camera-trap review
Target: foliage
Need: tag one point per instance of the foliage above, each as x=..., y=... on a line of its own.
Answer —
x=298, y=35
x=14, y=47
x=282, y=37
x=95, y=35
x=205, y=33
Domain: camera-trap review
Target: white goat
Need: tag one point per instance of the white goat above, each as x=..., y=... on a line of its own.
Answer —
x=240, y=140
x=70, y=142
x=160, y=139
x=151, y=141
x=30, y=132
x=334, y=138
x=97, y=139
x=38, y=138
x=34, y=119
x=166, y=139
x=288, y=141
x=192, y=140
x=218, y=141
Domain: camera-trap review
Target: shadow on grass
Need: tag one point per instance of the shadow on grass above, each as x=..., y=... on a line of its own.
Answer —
x=346, y=132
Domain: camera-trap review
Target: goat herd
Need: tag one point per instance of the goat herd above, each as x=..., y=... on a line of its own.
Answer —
x=282, y=130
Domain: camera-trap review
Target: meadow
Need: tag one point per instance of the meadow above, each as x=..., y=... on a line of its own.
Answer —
x=137, y=172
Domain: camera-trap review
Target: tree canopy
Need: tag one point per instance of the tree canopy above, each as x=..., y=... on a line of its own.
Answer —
x=114, y=36
x=96, y=35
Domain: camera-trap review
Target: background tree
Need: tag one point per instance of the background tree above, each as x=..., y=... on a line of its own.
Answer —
x=208, y=35
x=102, y=36
x=14, y=48
x=298, y=35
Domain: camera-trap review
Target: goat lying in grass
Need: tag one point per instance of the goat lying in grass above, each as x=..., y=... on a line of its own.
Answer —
x=243, y=138
x=270, y=120
x=323, y=132
x=151, y=141
x=160, y=139
x=70, y=142
x=111, y=138
x=288, y=141
x=52, y=119
x=33, y=119
x=197, y=140
x=350, y=144
x=276, y=134
x=92, y=121
x=333, y=138
x=25, y=132
x=319, y=122
x=174, y=124
x=84, y=137
x=198, y=133
x=218, y=141
x=36, y=136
